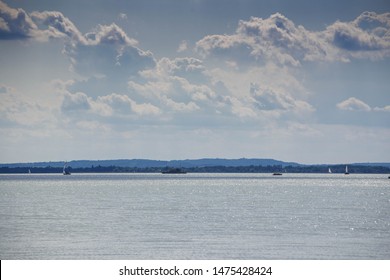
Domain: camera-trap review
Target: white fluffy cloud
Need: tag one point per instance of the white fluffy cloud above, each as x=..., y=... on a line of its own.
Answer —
x=170, y=85
x=74, y=102
x=105, y=51
x=56, y=25
x=263, y=94
x=366, y=36
x=124, y=105
x=181, y=66
x=353, y=104
x=269, y=99
x=117, y=105
x=185, y=86
x=258, y=80
x=263, y=77
x=278, y=39
x=106, y=58
x=382, y=109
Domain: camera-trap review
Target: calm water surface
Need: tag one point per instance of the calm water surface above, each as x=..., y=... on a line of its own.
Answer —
x=194, y=216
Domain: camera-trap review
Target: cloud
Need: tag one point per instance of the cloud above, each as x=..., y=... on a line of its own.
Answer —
x=108, y=51
x=269, y=99
x=258, y=80
x=183, y=46
x=256, y=40
x=75, y=102
x=382, y=109
x=372, y=21
x=110, y=34
x=106, y=57
x=15, y=108
x=261, y=94
x=180, y=88
x=279, y=40
x=16, y=24
x=57, y=25
x=121, y=82
x=353, y=104
x=366, y=36
x=349, y=37
x=189, y=68
x=122, y=16
x=171, y=95
x=124, y=105
x=78, y=105
x=185, y=86
x=276, y=38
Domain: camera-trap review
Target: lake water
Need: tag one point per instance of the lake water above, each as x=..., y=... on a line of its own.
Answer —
x=194, y=216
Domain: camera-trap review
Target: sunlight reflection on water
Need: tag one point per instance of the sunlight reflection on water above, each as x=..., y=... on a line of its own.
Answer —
x=194, y=216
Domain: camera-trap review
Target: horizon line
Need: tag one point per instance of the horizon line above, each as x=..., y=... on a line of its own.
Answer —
x=189, y=159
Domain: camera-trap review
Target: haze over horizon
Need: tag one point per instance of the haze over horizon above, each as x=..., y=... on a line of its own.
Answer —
x=168, y=80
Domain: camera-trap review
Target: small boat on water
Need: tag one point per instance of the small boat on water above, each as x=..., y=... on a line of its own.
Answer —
x=277, y=174
x=174, y=171
x=329, y=170
x=65, y=171
x=346, y=170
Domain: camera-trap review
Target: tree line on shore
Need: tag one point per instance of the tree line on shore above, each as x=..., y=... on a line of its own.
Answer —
x=204, y=169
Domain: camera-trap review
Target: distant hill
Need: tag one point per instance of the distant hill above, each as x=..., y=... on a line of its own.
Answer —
x=385, y=164
x=208, y=165
x=228, y=162
x=187, y=163
x=143, y=163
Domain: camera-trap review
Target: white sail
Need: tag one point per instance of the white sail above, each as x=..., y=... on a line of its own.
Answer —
x=64, y=171
x=329, y=170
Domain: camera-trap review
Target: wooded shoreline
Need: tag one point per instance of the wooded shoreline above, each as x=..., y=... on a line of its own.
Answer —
x=363, y=169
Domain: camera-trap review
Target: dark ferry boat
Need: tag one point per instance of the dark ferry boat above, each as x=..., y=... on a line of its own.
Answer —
x=174, y=171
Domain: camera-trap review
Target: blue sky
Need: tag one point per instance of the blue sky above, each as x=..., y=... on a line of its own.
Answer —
x=304, y=81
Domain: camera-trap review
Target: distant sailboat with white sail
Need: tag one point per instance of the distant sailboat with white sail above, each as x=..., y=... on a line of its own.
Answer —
x=65, y=171
x=346, y=170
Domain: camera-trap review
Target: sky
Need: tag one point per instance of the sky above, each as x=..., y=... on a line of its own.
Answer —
x=304, y=81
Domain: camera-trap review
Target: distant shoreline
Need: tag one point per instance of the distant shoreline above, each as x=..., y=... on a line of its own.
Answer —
x=337, y=169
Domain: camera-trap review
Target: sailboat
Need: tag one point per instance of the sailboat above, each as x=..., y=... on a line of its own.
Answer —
x=329, y=170
x=64, y=171
x=346, y=170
